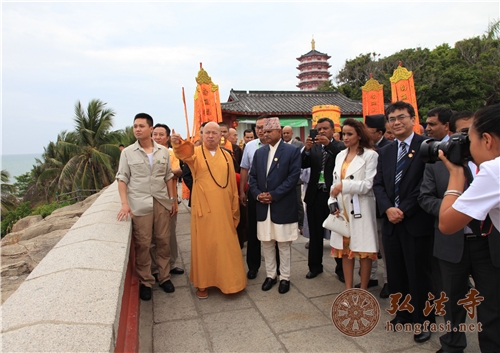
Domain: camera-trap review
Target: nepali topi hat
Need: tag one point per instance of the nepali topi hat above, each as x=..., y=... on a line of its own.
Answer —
x=272, y=124
x=376, y=121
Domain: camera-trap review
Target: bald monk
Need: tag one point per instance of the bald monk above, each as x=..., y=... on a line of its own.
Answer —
x=216, y=259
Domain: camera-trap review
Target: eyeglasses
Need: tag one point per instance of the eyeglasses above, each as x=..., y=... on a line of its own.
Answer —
x=399, y=118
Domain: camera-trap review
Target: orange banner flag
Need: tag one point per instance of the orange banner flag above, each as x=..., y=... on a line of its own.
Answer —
x=206, y=102
x=403, y=89
x=372, y=97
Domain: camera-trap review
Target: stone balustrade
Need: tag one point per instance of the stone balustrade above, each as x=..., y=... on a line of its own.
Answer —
x=71, y=302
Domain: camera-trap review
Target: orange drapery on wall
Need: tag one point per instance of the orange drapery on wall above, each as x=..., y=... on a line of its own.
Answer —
x=372, y=97
x=326, y=111
x=206, y=102
x=403, y=89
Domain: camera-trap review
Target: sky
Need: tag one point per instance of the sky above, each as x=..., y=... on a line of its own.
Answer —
x=136, y=57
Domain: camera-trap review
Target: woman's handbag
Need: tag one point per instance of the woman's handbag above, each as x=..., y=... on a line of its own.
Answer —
x=337, y=224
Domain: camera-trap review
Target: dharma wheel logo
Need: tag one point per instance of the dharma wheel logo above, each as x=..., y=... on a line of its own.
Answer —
x=355, y=312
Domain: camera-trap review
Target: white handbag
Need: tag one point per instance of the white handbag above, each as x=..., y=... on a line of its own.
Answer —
x=337, y=224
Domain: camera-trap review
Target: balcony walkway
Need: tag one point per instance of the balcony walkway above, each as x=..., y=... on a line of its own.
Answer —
x=257, y=321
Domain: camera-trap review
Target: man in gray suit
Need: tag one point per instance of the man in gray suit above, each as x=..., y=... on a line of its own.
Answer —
x=460, y=255
x=288, y=138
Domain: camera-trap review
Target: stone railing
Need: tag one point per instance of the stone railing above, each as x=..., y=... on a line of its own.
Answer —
x=72, y=300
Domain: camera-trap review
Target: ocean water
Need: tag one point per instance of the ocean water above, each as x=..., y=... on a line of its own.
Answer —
x=18, y=164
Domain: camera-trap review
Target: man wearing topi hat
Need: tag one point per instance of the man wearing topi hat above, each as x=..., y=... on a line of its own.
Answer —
x=273, y=177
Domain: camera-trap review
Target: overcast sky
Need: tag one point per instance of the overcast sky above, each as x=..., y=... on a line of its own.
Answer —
x=137, y=57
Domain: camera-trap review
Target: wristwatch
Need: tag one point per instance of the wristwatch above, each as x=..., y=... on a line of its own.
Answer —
x=171, y=198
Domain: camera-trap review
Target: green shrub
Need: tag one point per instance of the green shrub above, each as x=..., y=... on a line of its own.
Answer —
x=25, y=209
x=46, y=210
x=9, y=218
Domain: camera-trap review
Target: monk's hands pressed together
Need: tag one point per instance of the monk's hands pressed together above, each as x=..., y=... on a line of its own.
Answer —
x=395, y=215
x=124, y=212
x=175, y=138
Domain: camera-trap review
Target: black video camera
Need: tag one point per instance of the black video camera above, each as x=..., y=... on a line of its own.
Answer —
x=456, y=149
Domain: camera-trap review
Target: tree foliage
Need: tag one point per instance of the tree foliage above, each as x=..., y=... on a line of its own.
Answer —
x=463, y=77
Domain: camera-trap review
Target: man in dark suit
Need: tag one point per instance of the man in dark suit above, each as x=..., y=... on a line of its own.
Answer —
x=319, y=155
x=288, y=138
x=376, y=126
x=462, y=254
x=406, y=228
x=273, y=177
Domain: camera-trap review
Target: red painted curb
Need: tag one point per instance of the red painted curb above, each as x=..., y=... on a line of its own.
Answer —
x=128, y=327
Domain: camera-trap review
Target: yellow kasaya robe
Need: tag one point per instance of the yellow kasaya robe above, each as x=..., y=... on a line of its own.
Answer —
x=216, y=259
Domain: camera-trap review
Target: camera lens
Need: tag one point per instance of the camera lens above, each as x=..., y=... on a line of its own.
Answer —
x=429, y=150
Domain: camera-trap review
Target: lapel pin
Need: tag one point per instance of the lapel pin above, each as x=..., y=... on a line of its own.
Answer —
x=276, y=159
x=410, y=155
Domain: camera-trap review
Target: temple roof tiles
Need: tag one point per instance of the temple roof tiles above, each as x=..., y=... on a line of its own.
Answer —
x=287, y=102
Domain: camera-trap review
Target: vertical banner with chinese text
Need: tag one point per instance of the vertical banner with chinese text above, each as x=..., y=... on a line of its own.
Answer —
x=206, y=102
x=372, y=97
x=403, y=89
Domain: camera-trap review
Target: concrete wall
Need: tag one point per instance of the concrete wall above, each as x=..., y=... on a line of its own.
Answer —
x=71, y=301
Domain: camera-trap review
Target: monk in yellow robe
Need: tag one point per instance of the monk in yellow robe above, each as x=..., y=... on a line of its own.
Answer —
x=216, y=259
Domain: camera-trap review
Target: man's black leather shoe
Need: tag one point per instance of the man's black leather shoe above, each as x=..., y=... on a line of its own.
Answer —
x=422, y=337
x=284, y=286
x=371, y=283
x=168, y=286
x=252, y=274
x=155, y=275
x=145, y=293
x=312, y=274
x=269, y=283
x=384, y=293
x=177, y=271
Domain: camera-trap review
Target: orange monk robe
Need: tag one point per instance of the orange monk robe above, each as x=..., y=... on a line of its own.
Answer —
x=216, y=259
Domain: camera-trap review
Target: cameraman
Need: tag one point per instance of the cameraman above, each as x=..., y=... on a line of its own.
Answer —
x=455, y=254
x=480, y=201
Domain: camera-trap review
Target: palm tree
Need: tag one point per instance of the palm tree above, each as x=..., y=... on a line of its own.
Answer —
x=7, y=192
x=92, y=151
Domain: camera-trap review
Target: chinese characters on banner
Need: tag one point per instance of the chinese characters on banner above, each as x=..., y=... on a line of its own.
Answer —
x=372, y=97
x=206, y=102
x=403, y=89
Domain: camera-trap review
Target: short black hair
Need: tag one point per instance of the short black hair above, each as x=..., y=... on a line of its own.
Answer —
x=247, y=131
x=223, y=124
x=443, y=114
x=148, y=118
x=487, y=119
x=263, y=116
x=400, y=105
x=322, y=120
x=167, y=129
x=463, y=115
x=121, y=145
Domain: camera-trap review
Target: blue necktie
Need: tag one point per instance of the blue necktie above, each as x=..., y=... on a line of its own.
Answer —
x=399, y=171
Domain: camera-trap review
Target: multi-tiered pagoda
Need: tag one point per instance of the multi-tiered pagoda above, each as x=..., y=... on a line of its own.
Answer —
x=313, y=69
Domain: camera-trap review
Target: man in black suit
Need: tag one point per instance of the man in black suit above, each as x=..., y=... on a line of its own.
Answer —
x=462, y=254
x=319, y=155
x=376, y=126
x=406, y=228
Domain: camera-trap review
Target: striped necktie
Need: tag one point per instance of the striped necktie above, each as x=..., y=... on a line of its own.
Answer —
x=399, y=171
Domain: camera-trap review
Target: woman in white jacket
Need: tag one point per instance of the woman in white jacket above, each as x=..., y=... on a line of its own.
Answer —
x=355, y=168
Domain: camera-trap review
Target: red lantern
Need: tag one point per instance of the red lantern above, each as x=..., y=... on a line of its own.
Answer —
x=235, y=124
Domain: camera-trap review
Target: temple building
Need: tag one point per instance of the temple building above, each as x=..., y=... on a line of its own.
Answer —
x=313, y=69
x=294, y=108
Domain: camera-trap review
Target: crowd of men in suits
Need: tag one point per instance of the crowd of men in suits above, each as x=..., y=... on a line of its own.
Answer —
x=420, y=261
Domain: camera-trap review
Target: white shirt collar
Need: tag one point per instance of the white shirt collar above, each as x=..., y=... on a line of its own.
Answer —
x=446, y=138
x=407, y=140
